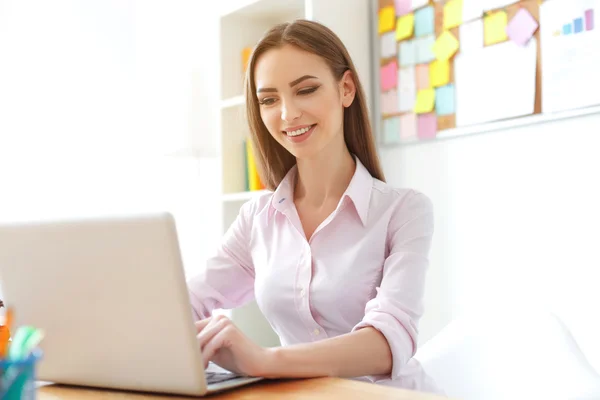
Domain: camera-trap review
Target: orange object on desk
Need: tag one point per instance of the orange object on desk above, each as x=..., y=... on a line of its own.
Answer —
x=5, y=333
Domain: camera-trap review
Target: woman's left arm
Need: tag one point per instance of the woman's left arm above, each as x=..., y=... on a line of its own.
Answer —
x=363, y=352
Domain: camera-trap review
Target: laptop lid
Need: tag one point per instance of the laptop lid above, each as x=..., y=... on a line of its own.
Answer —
x=111, y=296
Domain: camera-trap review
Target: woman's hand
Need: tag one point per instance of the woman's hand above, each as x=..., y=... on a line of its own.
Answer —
x=224, y=344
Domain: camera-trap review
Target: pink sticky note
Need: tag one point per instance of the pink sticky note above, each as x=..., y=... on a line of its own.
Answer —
x=389, y=102
x=422, y=72
x=408, y=126
x=403, y=7
x=522, y=27
x=427, y=126
x=389, y=76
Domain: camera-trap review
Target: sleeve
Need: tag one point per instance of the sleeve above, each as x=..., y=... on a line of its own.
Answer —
x=227, y=281
x=396, y=309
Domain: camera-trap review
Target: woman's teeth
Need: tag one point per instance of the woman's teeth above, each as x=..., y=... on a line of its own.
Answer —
x=299, y=131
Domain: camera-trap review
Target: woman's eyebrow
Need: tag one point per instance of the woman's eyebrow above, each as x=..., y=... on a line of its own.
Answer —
x=292, y=83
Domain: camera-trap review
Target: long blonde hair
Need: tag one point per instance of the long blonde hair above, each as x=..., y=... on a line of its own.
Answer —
x=273, y=160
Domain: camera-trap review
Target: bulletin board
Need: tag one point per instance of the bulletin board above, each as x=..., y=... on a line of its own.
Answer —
x=427, y=55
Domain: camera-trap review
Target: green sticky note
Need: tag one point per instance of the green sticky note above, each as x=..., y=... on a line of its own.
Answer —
x=391, y=130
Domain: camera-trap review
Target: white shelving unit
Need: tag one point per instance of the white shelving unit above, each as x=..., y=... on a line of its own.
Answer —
x=242, y=23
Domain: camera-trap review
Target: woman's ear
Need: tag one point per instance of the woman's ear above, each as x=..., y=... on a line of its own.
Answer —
x=348, y=88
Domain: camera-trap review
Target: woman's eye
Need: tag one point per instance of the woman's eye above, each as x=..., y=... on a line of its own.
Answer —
x=308, y=90
x=268, y=101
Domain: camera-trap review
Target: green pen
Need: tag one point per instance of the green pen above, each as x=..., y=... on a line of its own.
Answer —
x=23, y=344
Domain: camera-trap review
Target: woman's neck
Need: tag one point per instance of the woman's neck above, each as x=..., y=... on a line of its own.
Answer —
x=324, y=178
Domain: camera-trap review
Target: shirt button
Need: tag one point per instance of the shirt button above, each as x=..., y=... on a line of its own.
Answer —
x=302, y=293
x=316, y=332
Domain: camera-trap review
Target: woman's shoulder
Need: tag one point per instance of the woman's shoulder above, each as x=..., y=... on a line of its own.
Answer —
x=400, y=198
x=259, y=202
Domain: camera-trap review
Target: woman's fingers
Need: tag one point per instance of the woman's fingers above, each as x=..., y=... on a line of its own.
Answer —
x=211, y=329
x=202, y=324
x=219, y=340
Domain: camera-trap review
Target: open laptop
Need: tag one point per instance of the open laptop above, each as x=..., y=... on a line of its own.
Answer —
x=111, y=296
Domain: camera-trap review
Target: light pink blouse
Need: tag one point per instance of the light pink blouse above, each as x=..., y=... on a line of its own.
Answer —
x=365, y=265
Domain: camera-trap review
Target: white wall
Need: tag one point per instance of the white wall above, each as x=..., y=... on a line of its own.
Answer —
x=93, y=94
x=517, y=215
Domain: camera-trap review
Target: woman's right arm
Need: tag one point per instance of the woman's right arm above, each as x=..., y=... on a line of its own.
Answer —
x=227, y=281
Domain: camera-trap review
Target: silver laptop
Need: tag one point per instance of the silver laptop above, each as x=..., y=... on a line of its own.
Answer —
x=111, y=296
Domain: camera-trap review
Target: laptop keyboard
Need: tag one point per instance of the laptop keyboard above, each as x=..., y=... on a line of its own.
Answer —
x=216, y=377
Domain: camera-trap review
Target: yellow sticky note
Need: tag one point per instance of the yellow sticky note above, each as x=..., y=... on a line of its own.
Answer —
x=453, y=14
x=387, y=17
x=439, y=73
x=445, y=46
x=405, y=26
x=494, y=28
x=425, y=101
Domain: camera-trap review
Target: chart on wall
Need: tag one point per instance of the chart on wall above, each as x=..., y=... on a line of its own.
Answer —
x=570, y=43
x=459, y=63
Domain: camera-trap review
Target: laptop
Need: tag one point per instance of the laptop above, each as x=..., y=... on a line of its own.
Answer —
x=110, y=294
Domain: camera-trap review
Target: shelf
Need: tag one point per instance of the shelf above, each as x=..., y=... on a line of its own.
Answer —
x=500, y=125
x=242, y=196
x=233, y=102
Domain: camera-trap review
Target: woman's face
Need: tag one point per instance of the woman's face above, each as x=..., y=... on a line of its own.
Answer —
x=300, y=101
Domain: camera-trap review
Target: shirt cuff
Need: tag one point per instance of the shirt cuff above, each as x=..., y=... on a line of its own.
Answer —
x=401, y=343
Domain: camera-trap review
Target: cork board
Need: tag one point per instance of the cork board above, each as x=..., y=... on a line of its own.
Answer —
x=445, y=122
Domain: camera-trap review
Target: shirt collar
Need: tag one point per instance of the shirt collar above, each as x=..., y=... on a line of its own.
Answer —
x=359, y=191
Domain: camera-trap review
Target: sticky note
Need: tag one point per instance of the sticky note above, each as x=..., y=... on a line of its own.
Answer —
x=388, y=45
x=471, y=10
x=389, y=102
x=426, y=126
x=522, y=27
x=425, y=101
x=445, y=100
x=453, y=14
x=408, y=126
x=391, y=130
x=405, y=26
x=494, y=28
x=424, y=49
x=389, y=76
x=422, y=73
x=387, y=17
x=471, y=36
x=403, y=7
x=408, y=53
x=439, y=73
x=424, y=21
x=407, y=89
x=445, y=46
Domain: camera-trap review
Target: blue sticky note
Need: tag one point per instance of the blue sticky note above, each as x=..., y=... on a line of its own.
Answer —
x=424, y=21
x=567, y=29
x=408, y=53
x=578, y=25
x=391, y=130
x=424, y=49
x=445, y=100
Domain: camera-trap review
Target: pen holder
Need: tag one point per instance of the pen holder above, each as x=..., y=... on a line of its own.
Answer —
x=17, y=377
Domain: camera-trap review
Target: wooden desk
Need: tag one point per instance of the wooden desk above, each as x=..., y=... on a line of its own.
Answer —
x=320, y=388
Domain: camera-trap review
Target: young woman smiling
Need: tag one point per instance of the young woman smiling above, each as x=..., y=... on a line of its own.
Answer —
x=335, y=258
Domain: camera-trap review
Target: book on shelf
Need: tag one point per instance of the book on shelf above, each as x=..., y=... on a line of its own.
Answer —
x=252, y=178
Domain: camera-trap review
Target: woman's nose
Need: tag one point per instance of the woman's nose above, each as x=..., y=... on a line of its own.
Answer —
x=289, y=111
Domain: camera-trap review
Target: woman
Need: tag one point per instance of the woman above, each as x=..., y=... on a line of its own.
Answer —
x=334, y=257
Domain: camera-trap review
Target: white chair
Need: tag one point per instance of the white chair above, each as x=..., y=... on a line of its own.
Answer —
x=509, y=353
